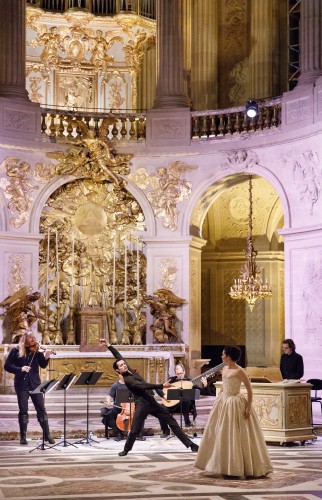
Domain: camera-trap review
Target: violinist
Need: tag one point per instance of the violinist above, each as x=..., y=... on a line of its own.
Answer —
x=145, y=403
x=24, y=361
x=115, y=413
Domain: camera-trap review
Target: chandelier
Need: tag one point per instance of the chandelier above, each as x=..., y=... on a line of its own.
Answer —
x=249, y=286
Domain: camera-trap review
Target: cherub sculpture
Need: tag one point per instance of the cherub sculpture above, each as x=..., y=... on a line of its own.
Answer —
x=20, y=311
x=163, y=305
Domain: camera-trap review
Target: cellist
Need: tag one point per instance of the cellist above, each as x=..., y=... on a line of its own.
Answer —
x=117, y=416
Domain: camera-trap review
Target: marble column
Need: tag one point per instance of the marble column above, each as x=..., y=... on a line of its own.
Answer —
x=19, y=117
x=204, y=67
x=263, y=63
x=310, y=41
x=169, y=121
x=302, y=106
x=173, y=54
x=13, y=49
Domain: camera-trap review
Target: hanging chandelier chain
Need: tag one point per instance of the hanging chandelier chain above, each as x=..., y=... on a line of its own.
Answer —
x=250, y=286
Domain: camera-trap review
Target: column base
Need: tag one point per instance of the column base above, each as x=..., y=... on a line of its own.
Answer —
x=20, y=119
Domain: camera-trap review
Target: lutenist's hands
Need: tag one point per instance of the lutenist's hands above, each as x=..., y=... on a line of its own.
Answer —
x=168, y=384
x=104, y=341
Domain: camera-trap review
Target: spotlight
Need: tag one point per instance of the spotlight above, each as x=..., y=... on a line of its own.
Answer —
x=251, y=108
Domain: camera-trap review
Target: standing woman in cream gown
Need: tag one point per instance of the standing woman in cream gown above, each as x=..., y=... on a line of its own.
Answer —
x=233, y=443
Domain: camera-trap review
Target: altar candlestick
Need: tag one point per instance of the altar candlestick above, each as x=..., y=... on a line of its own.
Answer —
x=72, y=285
x=57, y=269
x=47, y=270
x=125, y=273
x=114, y=273
x=137, y=274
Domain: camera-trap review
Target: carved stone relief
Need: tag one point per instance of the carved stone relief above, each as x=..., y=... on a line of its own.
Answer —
x=306, y=171
x=18, y=189
x=16, y=272
x=168, y=273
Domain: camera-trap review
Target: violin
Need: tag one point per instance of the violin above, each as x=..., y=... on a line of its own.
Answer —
x=37, y=347
x=125, y=418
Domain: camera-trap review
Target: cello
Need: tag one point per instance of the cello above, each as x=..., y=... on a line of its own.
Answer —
x=125, y=417
x=124, y=400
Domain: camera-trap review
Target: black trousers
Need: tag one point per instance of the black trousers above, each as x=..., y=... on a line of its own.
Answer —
x=143, y=408
x=38, y=402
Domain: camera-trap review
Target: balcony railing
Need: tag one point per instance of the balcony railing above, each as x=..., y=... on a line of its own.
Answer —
x=145, y=8
x=62, y=125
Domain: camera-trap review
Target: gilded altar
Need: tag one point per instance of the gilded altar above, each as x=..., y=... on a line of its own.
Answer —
x=284, y=410
x=155, y=362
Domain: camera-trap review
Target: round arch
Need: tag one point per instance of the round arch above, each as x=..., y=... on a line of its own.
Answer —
x=52, y=186
x=219, y=181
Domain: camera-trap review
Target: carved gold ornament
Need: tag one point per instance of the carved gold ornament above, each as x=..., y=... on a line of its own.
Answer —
x=18, y=189
x=168, y=190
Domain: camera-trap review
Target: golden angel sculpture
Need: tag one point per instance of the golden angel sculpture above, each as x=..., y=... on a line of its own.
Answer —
x=20, y=311
x=93, y=160
x=163, y=305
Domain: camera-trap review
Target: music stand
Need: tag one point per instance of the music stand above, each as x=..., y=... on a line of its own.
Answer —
x=124, y=396
x=88, y=379
x=64, y=385
x=43, y=389
x=183, y=395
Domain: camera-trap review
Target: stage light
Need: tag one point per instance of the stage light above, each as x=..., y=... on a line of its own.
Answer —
x=251, y=108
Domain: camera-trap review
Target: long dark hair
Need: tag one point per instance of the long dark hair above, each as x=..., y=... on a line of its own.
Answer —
x=233, y=351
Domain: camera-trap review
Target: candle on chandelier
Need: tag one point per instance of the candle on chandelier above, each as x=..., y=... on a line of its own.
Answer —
x=57, y=270
x=47, y=270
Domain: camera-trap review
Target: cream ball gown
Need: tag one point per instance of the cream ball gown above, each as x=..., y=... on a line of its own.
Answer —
x=231, y=444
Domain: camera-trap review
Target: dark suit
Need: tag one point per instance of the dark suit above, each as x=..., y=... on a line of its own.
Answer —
x=145, y=404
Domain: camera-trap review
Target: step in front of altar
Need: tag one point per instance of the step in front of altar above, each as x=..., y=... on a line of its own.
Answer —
x=76, y=414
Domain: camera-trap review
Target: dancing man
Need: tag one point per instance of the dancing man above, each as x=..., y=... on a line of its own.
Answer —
x=145, y=404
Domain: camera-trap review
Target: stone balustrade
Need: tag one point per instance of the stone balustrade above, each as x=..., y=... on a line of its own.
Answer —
x=63, y=125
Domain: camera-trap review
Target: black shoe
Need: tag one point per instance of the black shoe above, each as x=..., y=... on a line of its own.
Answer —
x=123, y=453
x=165, y=434
x=188, y=424
x=141, y=438
x=194, y=447
x=50, y=440
x=118, y=437
x=23, y=440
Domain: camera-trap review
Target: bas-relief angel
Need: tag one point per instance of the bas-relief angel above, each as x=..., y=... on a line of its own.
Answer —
x=163, y=305
x=20, y=311
x=168, y=191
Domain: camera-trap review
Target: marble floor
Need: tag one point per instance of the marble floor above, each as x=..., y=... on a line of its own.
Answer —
x=155, y=469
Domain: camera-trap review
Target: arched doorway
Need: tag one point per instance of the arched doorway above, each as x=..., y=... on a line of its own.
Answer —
x=224, y=225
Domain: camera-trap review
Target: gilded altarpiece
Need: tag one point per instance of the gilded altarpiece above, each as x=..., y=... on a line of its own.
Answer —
x=75, y=89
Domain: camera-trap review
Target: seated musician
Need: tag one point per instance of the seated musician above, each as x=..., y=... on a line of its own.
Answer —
x=186, y=406
x=111, y=413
